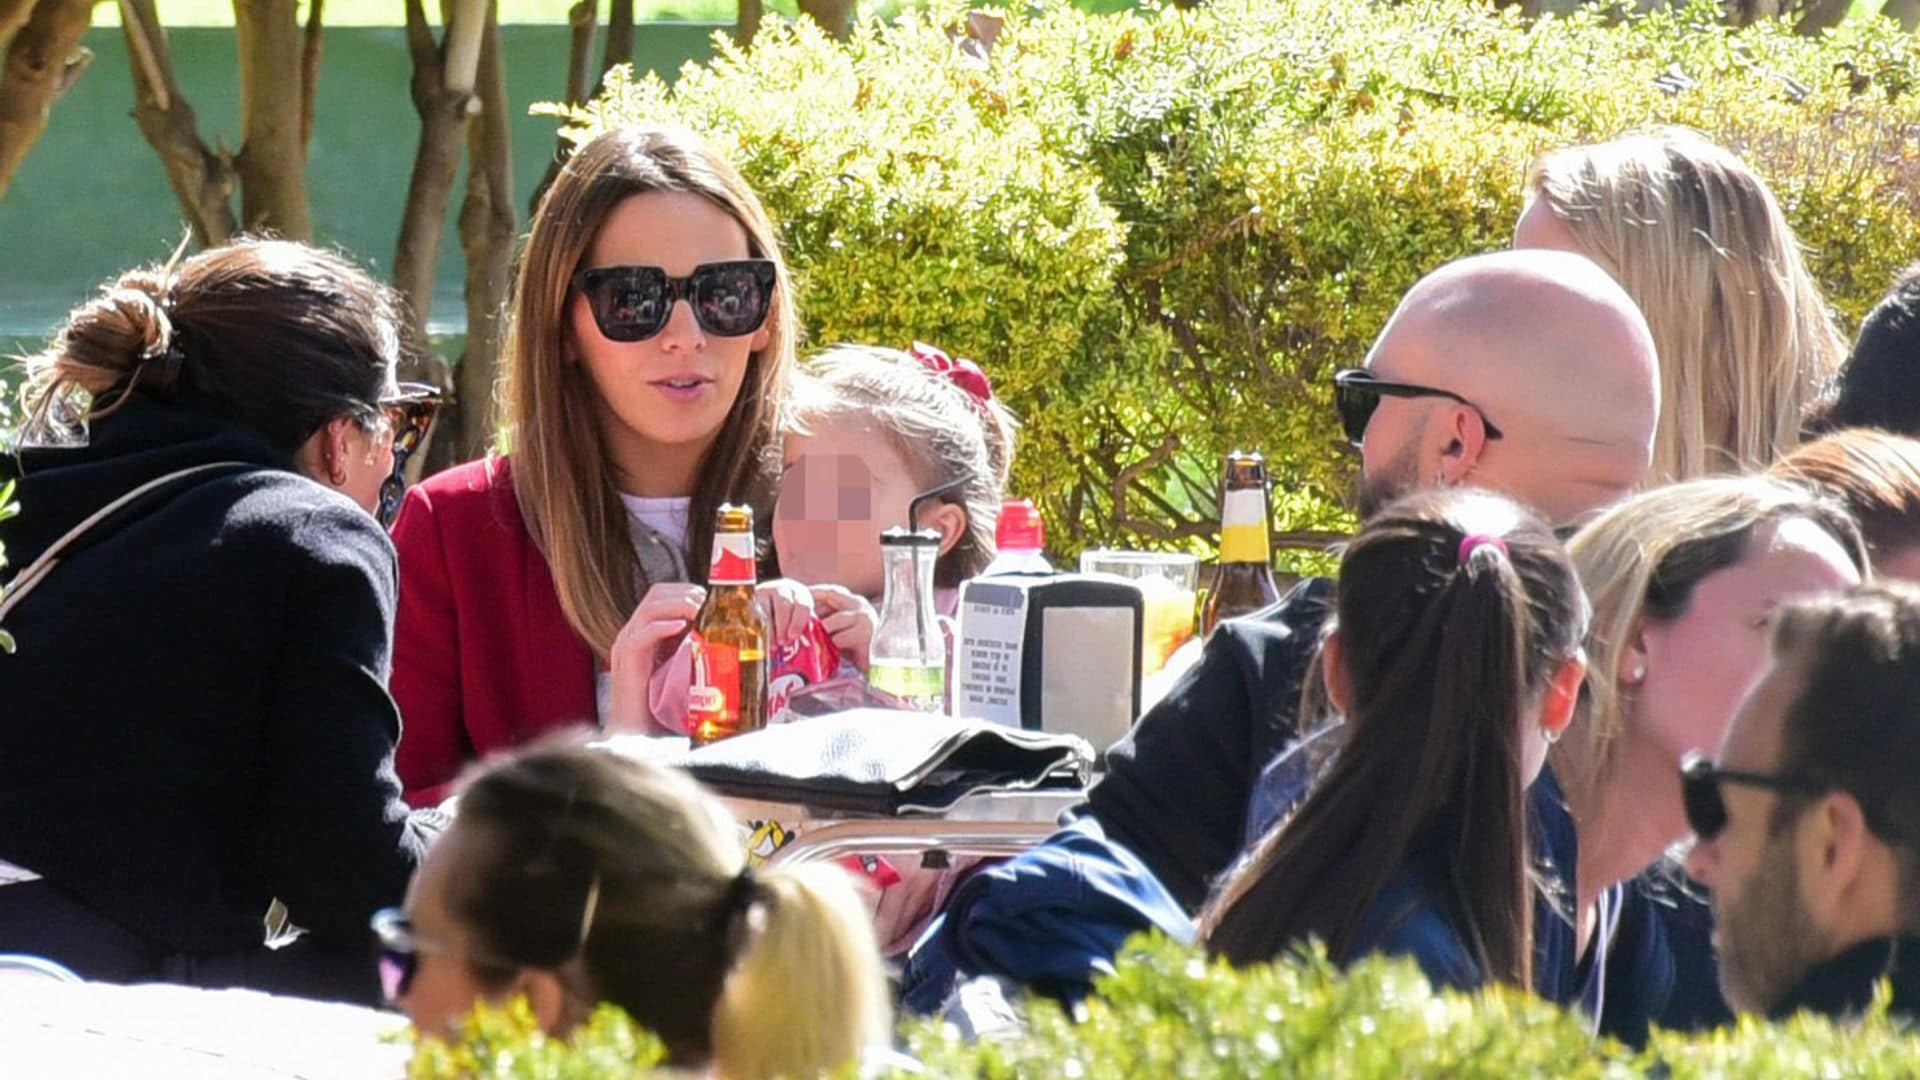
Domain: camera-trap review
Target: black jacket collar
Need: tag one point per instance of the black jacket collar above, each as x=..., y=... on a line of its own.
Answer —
x=139, y=441
x=1844, y=985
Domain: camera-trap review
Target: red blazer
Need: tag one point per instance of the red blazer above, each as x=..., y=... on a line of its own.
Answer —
x=483, y=658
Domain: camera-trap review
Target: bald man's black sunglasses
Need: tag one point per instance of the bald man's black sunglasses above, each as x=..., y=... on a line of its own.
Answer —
x=1356, y=393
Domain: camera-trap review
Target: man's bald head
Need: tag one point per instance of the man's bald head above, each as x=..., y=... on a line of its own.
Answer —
x=1550, y=351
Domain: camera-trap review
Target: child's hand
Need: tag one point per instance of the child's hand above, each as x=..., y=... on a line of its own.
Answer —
x=666, y=612
x=786, y=605
x=850, y=619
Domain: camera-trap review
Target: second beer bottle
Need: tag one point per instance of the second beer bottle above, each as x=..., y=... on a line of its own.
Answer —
x=729, y=691
x=1243, y=581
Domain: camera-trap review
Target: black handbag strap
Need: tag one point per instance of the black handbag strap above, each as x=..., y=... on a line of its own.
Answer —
x=104, y=521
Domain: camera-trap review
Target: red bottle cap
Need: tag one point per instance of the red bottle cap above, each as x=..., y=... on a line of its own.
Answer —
x=1020, y=527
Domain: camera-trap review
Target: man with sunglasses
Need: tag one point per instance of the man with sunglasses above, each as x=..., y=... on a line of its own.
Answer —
x=1530, y=373
x=1807, y=826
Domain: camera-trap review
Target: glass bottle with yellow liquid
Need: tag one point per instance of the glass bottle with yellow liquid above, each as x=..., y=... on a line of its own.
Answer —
x=1243, y=581
x=729, y=691
x=909, y=655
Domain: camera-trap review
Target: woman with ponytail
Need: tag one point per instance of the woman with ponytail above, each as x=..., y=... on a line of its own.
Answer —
x=573, y=877
x=196, y=742
x=1455, y=659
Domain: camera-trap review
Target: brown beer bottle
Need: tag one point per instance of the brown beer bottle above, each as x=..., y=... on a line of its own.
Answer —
x=1243, y=580
x=729, y=691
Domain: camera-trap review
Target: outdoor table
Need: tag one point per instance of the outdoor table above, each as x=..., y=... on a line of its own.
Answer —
x=985, y=823
x=59, y=1029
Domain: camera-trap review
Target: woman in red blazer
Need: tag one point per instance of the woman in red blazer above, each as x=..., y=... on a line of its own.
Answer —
x=651, y=338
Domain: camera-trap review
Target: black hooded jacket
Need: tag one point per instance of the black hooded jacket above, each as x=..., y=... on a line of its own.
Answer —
x=196, y=720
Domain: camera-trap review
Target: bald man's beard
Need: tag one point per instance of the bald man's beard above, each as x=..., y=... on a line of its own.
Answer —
x=1400, y=476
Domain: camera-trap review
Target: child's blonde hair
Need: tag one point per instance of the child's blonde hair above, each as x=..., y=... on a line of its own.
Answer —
x=943, y=430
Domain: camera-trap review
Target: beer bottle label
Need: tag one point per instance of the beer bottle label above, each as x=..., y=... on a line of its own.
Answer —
x=713, y=700
x=1243, y=527
x=732, y=559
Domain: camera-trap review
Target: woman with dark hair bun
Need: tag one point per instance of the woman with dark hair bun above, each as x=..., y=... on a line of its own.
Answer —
x=196, y=743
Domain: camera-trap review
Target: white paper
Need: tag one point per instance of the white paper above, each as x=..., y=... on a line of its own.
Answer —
x=993, y=629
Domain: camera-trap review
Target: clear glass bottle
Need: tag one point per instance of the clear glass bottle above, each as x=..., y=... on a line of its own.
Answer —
x=909, y=655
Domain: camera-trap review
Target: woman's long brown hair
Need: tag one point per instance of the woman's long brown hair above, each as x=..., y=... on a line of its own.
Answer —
x=562, y=474
x=1443, y=655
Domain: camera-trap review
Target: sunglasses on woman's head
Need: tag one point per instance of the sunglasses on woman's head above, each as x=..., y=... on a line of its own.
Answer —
x=1700, y=781
x=1356, y=394
x=410, y=414
x=633, y=303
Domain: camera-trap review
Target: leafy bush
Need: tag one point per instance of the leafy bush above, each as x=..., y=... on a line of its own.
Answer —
x=1167, y=1012
x=1162, y=230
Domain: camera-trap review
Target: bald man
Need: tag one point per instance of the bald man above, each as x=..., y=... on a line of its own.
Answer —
x=1526, y=372
x=1531, y=373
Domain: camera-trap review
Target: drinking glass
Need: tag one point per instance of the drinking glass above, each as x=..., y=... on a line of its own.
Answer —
x=1168, y=583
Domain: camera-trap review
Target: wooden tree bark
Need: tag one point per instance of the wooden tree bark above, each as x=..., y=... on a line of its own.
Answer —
x=836, y=16
x=751, y=12
x=619, y=36
x=582, y=20
x=1819, y=16
x=443, y=80
x=43, y=60
x=486, y=237
x=202, y=179
x=272, y=163
x=310, y=48
x=13, y=18
x=1907, y=12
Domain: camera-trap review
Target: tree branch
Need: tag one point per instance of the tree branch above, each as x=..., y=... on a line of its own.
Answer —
x=619, y=37
x=444, y=109
x=272, y=163
x=835, y=16
x=748, y=24
x=14, y=15
x=42, y=61
x=310, y=71
x=582, y=20
x=1905, y=12
x=486, y=237
x=202, y=180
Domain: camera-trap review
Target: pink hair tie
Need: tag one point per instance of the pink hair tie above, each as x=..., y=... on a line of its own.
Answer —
x=1476, y=541
x=962, y=373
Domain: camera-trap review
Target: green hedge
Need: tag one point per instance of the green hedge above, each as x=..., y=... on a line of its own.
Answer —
x=1166, y=1012
x=1161, y=231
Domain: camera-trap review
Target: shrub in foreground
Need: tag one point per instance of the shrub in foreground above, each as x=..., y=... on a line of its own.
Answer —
x=1165, y=1011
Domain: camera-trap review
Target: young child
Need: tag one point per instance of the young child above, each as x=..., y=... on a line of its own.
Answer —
x=870, y=432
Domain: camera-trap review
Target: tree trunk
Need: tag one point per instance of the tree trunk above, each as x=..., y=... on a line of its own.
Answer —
x=835, y=15
x=271, y=162
x=1820, y=16
x=443, y=77
x=1907, y=12
x=43, y=60
x=581, y=20
x=749, y=22
x=13, y=17
x=486, y=236
x=619, y=36
x=202, y=180
x=310, y=72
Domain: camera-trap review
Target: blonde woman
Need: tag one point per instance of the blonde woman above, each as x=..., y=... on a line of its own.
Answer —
x=1683, y=580
x=573, y=877
x=1746, y=343
x=651, y=343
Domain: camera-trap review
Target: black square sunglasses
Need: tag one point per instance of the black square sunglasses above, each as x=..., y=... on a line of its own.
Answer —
x=633, y=303
x=1700, y=781
x=1356, y=394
